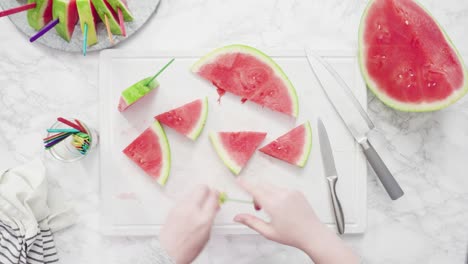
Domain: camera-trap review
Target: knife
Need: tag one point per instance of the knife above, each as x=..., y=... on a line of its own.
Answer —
x=331, y=175
x=354, y=117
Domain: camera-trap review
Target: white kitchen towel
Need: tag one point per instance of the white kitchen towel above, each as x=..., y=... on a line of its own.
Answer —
x=28, y=215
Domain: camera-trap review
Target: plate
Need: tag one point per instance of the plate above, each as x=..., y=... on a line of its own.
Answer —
x=142, y=10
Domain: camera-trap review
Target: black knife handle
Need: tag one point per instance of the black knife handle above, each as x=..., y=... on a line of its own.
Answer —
x=386, y=178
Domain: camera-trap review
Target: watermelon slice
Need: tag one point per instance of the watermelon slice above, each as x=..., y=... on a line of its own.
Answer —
x=188, y=119
x=151, y=152
x=293, y=147
x=88, y=15
x=135, y=92
x=251, y=74
x=122, y=5
x=236, y=148
x=67, y=13
x=407, y=59
x=104, y=9
x=39, y=16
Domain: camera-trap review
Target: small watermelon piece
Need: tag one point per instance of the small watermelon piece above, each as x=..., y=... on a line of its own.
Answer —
x=236, y=148
x=135, y=92
x=39, y=16
x=104, y=9
x=407, y=59
x=88, y=15
x=67, y=13
x=293, y=147
x=189, y=119
x=151, y=152
x=122, y=5
x=251, y=74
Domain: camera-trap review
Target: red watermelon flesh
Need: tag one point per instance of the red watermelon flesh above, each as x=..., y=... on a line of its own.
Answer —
x=407, y=59
x=150, y=151
x=247, y=72
x=293, y=147
x=236, y=148
x=188, y=119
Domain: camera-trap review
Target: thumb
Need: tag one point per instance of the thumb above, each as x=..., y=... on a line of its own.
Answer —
x=256, y=224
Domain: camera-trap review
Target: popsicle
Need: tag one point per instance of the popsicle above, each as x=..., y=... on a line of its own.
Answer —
x=67, y=14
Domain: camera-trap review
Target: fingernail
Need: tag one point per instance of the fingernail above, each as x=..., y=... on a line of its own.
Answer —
x=237, y=218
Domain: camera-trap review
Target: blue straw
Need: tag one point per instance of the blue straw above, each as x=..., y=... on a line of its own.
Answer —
x=85, y=39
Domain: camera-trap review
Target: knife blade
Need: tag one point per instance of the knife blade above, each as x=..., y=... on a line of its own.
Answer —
x=354, y=117
x=331, y=174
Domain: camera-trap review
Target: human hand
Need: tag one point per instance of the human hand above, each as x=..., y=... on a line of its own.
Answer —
x=294, y=223
x=184, y=240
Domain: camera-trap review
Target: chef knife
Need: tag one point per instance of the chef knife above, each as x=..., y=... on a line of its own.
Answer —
x=331, y=174
x=354, y=117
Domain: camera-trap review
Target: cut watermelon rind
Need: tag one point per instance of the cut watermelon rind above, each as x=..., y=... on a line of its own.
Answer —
x=231, y=164
x=307, y=145
x=201, y=122
x=210, y=57
x=166, y=152
x=401, y=106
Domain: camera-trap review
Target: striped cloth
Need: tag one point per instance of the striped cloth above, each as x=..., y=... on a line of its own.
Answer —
x=16, y=248
x=30, y=211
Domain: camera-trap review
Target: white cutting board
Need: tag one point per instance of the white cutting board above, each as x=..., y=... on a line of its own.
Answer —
x=132, y=204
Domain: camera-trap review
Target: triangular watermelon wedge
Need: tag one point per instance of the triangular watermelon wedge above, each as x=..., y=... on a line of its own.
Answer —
x=251, y=74
x=67, y=13
x=188, y=119
x=39, y=16
x=122, y=5
x=104, y=9
x=293, y=147
x=151, y=152
x=89, y=16
x=236, y=148
x=135, y=92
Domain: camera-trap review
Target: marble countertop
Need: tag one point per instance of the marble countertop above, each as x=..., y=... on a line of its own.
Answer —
x=427, y=152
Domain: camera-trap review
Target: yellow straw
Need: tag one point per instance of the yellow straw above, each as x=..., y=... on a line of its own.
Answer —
x=109, y=33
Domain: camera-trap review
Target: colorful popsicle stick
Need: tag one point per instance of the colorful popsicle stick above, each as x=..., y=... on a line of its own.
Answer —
x=44, y=30
x=122, y=22
x=17, y=9
x=159, y=72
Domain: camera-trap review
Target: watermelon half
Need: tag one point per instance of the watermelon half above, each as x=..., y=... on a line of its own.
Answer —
x=151, y=152
x=251, y=74
x=122, y=5
x=88, y=15
x=236, y=148
x=39, y=16
x=135, y=92
x=104, y=9
x=293, y=147
x=188, y=119
x=407, y=59
x=67, y=13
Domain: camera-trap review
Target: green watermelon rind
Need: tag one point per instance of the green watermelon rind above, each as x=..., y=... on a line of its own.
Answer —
x=86, y=17
x=195, y=133
x=32, y=14
x=307, y=146
x=222, y=153
x=60, y=11
x=126, y=93
x=408, y=107
x=259, y=55
x=165, y=150
x=103, y=11
x=117, y=4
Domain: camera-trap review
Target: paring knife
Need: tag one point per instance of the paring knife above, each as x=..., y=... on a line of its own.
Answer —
x=354, y=117
x=331, y=175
